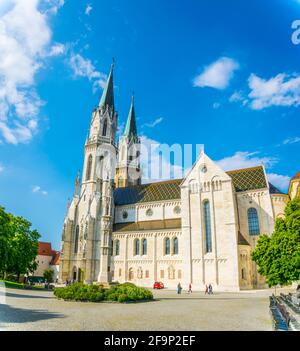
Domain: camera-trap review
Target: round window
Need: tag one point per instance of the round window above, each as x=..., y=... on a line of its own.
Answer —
x=125, y=214
x=177, y=210
x=149, y=212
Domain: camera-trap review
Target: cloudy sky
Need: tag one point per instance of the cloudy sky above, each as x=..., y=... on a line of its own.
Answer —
x=222, y=74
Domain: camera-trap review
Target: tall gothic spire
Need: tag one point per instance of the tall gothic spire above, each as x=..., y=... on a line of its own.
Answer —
x=130, y=129
x=107, y=98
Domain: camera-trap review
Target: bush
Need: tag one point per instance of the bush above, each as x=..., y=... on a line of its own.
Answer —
x=95, y=293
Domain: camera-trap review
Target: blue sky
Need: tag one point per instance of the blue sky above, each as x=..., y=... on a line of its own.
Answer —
x=222, y=74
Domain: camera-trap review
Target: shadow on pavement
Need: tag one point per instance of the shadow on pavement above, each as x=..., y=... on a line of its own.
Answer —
x=22, y=296
x=9, y=314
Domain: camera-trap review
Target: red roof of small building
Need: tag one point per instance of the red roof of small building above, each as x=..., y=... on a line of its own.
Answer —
x=55, y=259
x=296, y=176
x=45, y=249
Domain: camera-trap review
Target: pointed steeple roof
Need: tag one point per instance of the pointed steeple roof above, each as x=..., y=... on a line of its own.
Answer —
x=130, y=129
x=107, y=97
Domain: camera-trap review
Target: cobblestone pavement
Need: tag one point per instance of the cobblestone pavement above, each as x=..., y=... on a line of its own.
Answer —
x=39, y=310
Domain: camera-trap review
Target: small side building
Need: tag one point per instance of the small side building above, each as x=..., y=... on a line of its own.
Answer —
x=47, y=258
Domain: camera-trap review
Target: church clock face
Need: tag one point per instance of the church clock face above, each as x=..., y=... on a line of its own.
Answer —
x=203, y=169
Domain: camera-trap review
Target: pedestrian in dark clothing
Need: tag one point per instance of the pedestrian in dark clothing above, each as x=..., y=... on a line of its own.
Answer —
x=210, y=289
x=179, y=288
x=190, y=288
x=206, y=289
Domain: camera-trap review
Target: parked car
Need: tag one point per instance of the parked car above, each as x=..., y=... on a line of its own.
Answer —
x=158, y=285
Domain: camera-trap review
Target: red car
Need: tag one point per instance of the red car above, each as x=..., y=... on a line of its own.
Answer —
x=158, y=285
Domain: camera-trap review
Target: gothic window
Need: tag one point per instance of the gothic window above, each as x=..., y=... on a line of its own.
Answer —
x=243, y=273
x=117, y=247
x=130, y=275
x=207, y=223
x=146, y=274
x=253, y=222
x=104, y=130
x=179, y=274
x=144, y=246
x=171, y=272
x=136, y=247
x=162, y=274
x=140, y=273
x=167, y=246
x=120, y=272
x=175, y=246
x=89, y=168
x=76, y=239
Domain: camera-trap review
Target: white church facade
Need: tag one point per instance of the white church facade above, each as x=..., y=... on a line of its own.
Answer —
x=199, y=229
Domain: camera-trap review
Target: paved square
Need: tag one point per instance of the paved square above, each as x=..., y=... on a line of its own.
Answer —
x=35, y=310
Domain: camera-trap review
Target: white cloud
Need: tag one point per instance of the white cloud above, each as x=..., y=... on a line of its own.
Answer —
x=88, y=9
x=1, y=168
x=25, y=37
x=57, y=50
x=154, y=123
x=37, y=189
x=218, y=74
x=82, y=67
x=53, y=6
x=244, y=159
x=291, y=140
x=281, y=90
x=280, y=181
x=238, y=96
x=216, y=105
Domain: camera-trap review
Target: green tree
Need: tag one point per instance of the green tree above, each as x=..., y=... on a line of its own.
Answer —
x=5, y=236
x=278, y=256
x=48, y=275
x=24, y=247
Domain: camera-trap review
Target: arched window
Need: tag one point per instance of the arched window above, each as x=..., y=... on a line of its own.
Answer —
x=144, y=247
x=76, y=239
x=117, y=247
x=253, y=222
x=136, y=247
x=207, y=222
x=175, y=246
x=104, y=130
x=167, y=246
x=89, y=168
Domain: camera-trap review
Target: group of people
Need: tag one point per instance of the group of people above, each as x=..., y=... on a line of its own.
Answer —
x=208, y=289
x=70, y=282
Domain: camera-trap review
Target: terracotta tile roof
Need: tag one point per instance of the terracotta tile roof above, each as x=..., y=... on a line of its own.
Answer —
x=148, y=225
x=45, y=249
x=55, y=258
x=248, y=178
x=167, y=190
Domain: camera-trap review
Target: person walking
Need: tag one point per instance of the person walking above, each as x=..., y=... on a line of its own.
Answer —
x=179, y=288
x=190, y=288
x=210, y=289
x=206, y=289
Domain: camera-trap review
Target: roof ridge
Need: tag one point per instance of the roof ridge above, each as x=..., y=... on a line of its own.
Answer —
x=244, y=169
x=155, y=183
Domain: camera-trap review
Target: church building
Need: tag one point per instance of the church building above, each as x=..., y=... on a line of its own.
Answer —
x=199, y=230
